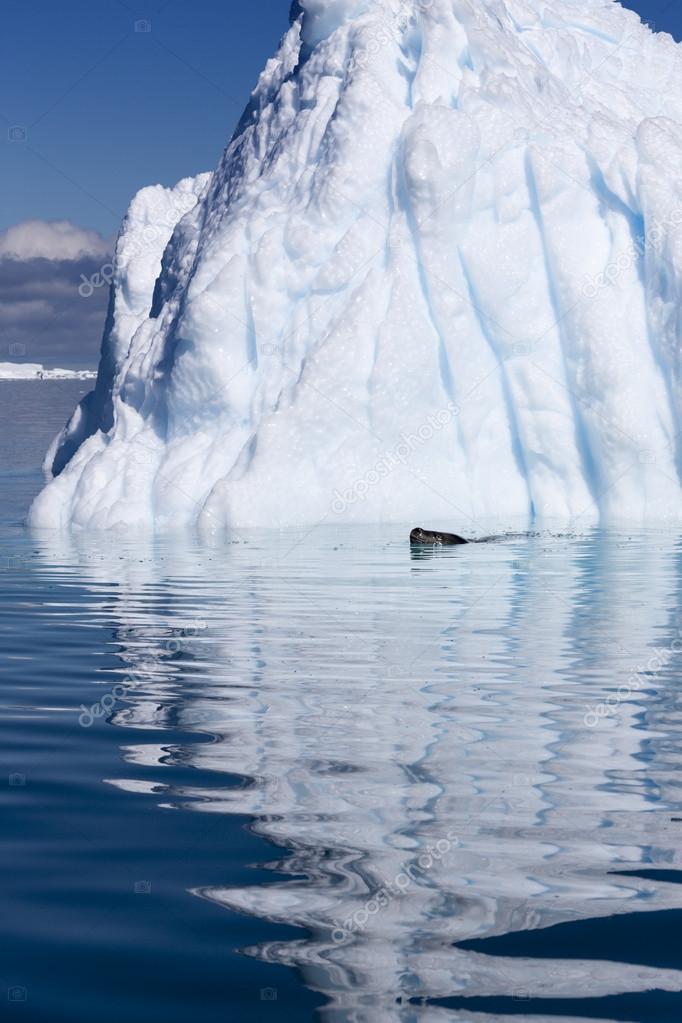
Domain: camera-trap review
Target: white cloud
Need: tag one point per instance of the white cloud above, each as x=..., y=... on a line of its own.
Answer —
x=52, y=239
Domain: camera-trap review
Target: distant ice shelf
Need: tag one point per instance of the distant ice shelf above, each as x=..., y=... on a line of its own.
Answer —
x=34, y=371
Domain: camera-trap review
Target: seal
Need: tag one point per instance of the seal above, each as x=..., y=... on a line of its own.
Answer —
x=421, y=537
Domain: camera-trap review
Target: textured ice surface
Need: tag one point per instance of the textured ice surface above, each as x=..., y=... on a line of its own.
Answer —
x=434, y=277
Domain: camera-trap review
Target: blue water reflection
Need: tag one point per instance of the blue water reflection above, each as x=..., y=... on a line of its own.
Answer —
x=307, y=774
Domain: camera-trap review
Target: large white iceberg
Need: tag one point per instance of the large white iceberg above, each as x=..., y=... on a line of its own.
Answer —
x=436, y=275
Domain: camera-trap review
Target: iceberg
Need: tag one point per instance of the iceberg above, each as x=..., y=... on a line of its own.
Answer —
x=36, y=371
x=435, y=278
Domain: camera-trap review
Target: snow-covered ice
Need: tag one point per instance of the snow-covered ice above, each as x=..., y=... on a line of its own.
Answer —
x=36, y=371
x=434, y=278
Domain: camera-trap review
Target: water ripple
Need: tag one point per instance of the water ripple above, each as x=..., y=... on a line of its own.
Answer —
x=445, y=753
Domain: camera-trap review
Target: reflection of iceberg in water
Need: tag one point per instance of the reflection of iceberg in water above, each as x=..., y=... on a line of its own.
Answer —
x=381, y=706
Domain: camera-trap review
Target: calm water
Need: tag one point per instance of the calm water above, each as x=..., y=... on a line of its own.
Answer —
x=315, y=778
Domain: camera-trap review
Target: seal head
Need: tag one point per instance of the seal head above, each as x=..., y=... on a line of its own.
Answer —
x=421, y=537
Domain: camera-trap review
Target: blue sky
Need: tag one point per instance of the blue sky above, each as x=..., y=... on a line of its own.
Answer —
x=92, y=109
x=107, y=109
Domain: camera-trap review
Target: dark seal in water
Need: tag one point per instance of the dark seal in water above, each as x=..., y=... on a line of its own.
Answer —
x=426, y=536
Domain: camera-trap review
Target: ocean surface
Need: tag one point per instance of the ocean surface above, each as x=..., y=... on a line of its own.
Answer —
x=315, y=776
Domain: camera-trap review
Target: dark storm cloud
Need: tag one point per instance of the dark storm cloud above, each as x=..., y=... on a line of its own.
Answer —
x=43, y=316
x=50, y=312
